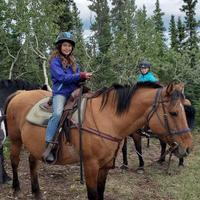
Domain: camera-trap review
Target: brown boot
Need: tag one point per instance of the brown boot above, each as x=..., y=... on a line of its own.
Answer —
x=48, y=156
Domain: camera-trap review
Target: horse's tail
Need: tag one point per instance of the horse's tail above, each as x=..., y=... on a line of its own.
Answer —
x=2, y=128
x=9, y=98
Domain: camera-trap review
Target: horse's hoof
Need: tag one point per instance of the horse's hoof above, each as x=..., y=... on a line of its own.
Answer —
x=140, y=170
x=160, y=161
x=125, y=167
x=7, y=179
x=16, y=192
x=181, y=165
x=38, y=196
x=16, y=189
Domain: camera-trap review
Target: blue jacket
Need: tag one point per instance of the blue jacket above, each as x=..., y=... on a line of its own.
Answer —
x=65, y=81
x=147, y=77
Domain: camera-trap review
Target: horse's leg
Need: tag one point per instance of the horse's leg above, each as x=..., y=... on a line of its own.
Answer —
x=163, y=149
x=124, y=153
x=91, y=170
x=138, y=146
x=3, y=175
x=34, y=176
x=101, y=182
x=181, y=160
x=1, y=166
x=14, y=157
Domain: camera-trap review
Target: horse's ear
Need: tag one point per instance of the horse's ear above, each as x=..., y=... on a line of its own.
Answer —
x=170, y=89
x=180, y=87
x=187, y=102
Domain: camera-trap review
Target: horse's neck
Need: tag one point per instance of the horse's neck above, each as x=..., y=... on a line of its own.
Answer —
x=106, y=120
x=136, y=117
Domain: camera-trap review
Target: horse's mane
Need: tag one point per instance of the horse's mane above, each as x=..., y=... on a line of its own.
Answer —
x=175, y=96
x=190, y=115
x=18, y=84
x=123, y=94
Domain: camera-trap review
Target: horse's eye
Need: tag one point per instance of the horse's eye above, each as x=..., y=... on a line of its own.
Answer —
x=174, y=114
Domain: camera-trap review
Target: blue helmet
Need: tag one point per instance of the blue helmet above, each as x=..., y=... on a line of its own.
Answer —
x=144, y=64
x=65, y=36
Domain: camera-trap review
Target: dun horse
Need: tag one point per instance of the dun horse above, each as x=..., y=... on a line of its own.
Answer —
x=7, y=87
x=109, y=118
x=137, y=139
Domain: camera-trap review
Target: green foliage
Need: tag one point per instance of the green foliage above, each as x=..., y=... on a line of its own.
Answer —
x=191, y=26
x=101, y=25
x=173, y=33
x=197, y=107
x=64, y=20
x=181, y=33
x=120, y=38
x=159, y=28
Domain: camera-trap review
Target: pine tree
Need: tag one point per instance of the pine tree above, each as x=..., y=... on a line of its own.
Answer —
x=145, y=34
x=159, y=27
x=173, y=33
x=65, y=16
x=123, y=50
x=80, y=50
x=158, y=14
x=181, y=33
x=118, y=20
x=191, y=26
x=101, y=25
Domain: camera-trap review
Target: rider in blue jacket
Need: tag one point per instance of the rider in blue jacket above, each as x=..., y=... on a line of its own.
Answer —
x=146, y=74
x=65, y=76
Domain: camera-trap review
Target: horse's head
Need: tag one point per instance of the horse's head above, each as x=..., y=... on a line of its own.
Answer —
x=167, y=119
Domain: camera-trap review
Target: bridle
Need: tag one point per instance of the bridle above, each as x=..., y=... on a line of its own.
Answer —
x=165, y=122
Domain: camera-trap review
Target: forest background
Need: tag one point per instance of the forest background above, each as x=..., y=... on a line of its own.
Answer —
x=121, y=36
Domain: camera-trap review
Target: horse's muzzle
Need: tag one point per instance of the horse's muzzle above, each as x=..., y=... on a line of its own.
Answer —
x=181, y=152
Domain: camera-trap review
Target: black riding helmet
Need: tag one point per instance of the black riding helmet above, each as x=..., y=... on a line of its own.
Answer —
x=144, y=64
x=65, y=36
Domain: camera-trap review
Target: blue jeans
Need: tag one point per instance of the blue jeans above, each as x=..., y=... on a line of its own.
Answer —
x=58, y=106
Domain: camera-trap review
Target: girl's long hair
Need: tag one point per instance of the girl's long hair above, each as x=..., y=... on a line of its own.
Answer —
x=66, y=61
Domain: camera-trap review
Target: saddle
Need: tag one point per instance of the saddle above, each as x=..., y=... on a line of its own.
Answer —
x=42, y=110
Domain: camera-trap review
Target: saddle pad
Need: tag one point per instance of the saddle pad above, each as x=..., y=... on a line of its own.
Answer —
x=75, y=114
x=39, y=116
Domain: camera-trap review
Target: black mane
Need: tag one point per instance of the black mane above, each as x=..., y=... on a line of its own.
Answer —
x=123, y=94
x=190, y=115
x=7, y=87
x=18, y=84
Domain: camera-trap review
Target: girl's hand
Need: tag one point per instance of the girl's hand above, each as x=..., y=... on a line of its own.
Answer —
x=88, y=75
x=85, y=75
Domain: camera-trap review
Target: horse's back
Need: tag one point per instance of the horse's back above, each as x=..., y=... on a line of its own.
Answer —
x=17, y=109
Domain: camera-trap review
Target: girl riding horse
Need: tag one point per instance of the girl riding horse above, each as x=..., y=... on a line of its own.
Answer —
x=108, y=119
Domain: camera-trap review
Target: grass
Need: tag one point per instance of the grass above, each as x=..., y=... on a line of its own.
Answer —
x=184, y=183
x=181, y=183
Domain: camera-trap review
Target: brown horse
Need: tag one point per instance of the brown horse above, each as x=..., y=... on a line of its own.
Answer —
x=137, y=139
x=109, y=118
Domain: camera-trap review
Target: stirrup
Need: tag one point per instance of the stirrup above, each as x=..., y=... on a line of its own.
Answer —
x=47, y=153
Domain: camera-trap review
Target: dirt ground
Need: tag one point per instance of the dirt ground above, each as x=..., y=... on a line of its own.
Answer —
x=62, y=182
